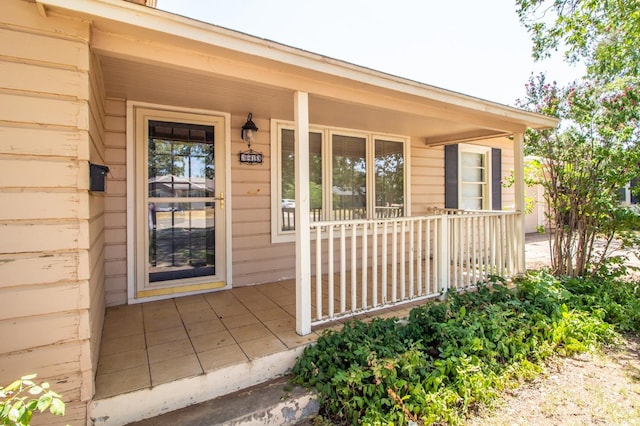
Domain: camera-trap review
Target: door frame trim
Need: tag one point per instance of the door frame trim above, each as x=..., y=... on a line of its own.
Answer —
x=131, y=202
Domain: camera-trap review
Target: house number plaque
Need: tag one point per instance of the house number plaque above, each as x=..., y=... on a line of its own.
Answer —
x=251, y=157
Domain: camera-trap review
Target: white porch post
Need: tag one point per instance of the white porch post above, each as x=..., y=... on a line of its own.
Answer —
x=444, y=255
x=518, y=153
x=303, y=237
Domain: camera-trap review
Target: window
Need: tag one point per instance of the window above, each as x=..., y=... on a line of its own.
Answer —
x=473, y=177
x=349, y=177
x=389, y=172
x=287, y=181
x=352, y=175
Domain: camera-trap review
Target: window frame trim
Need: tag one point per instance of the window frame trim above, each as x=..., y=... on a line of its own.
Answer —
x=280, y=236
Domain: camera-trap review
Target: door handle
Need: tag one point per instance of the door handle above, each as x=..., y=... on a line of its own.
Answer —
x=221, y=199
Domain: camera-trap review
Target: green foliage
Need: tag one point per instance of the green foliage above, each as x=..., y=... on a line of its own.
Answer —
x=604, y=34
x=20, y=399
x=448, y=358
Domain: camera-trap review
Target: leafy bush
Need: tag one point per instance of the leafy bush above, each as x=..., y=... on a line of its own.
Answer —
x=21, y=398
x=448, y=358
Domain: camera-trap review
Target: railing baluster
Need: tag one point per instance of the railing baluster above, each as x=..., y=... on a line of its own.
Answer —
x=456, y=249
x=507, y=245
x=427, y=258
x=385, y=261
x=394, y=263
x=494, y=249
x=514, y=246
x=330, y=262
x=474, y=253
x=467, y=249
x=343, y=269
x=485, y=253
x=419, y=259
x=364, y=267
x=412, y=284
x=374, y=264
x=463, y=251
x=318, y=272
x=500, y=245
x=403, y=259
x=434, y=252
x=354, y=267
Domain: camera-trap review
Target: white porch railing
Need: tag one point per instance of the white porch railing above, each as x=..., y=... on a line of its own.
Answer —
x=364, y=265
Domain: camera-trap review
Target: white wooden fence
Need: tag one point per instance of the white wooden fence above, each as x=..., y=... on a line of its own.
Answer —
x=364, y=265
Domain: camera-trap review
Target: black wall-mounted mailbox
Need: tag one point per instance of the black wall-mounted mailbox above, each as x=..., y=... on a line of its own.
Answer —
x=97, y=177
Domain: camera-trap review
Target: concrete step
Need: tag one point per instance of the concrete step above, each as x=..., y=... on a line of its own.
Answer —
x=270, y=403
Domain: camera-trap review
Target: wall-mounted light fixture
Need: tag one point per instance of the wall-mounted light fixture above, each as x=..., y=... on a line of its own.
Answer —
x=249, y=130
x=248, y=134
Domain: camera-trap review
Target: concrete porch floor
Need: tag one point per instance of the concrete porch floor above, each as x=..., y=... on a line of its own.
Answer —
x=159, y=356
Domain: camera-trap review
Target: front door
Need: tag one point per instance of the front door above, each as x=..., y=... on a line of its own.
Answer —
x=180, y=201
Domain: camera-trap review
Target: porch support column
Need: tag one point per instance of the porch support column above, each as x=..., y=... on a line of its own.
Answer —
x=303, y=233
x=518, y=152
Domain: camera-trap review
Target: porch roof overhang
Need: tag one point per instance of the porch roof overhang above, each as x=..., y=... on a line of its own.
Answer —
x=151, y=55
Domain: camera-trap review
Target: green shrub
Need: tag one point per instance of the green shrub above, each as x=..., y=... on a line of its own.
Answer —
x=448, y=358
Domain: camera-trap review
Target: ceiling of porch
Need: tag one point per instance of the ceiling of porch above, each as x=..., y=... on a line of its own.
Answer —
x=154, y=56
x=127, y=78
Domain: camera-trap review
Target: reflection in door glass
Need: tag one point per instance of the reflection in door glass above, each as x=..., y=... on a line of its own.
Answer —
x=181, y=233
x=181, y=237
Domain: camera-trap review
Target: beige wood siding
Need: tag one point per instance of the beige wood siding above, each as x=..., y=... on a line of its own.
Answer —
x=96, y=223
x=427, y=177
x=49, y=130
x=427, y=174
x=255, y=258
x=115, y=217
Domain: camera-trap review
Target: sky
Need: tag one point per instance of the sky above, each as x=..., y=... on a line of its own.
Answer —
x=475, y=47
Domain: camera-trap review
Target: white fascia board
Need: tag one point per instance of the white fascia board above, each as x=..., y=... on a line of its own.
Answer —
x=178, y=26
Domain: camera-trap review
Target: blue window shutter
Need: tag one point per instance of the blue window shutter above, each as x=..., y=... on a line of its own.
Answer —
x=496, y=179
x=451, y=176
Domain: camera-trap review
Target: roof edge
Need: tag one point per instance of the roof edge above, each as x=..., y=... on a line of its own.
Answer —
x=157, y=20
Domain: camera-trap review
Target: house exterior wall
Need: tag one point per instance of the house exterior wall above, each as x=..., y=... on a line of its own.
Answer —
x=49, y=130
x=116, y=203
x=427, y=174
x=255, y=258
x=427, y=177
x=96, y=221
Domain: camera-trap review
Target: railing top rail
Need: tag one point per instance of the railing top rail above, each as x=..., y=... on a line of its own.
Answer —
x=466, y=213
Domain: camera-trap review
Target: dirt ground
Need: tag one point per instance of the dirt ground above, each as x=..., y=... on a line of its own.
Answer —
x=589, y=389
